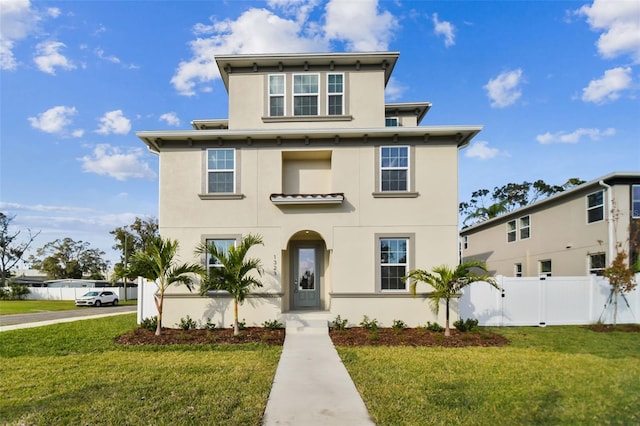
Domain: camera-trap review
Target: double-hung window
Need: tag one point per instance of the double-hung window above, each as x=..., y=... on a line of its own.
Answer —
x=635, y=201
x=221, y=170
x=595, y=207
x=394, y=253
x=276, y=95
x=545, y=268
x=335, y=94
x=597, y=263
x=222, y=245
x=511, y=231
x=394, y=168
x=525, y=227
x=305, y=94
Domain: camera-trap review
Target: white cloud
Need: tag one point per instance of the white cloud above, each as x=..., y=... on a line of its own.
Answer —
x=481, y=150
x=114, y=122
x=504, y=90
x=54, y=120
x=575, y=136
x=170, y=118
x=109, y=58
x=359, y=24
x=280, y=34
x=394, y=89
x=111, y=161
x=48, y=57
x=446, y=29
x=620, y=23
x=608, y=88
x=17, y=21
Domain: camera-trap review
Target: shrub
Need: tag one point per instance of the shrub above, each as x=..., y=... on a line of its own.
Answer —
x=187, y=323
x=4, y=293
x=209, y=325
x=18, y=291
x=371, y=325
x=399, y=325
x=339, y=323
x=272, y=325
x=434, y=326
x=150, y=323
x=242, y=325
x=466, y=325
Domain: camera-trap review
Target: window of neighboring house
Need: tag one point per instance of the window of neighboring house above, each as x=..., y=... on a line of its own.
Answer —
x=335, y=94
x=517, y=270
x=525, y=227
x=305, y=94
x=394, y=168
x=393, y=263
x=511, y=231
x=545, y=268
x=391, y=122
x=276, y=95
x=597, y=263
x=635, y=201
x=595, y=207
x=465, y=242
x=221, y=170
x=222, y=245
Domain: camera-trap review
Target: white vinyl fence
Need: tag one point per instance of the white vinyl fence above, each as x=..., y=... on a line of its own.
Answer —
x=68, y=293
x=543, y=301
x=146, y=303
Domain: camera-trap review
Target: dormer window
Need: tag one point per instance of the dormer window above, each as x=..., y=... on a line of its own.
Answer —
x=305, y=94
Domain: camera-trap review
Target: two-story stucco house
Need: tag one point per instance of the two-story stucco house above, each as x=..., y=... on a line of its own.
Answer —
x=572, y=233
x=348, y=193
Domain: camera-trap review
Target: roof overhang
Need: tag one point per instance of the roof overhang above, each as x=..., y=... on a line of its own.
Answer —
x=418, y=109
x=156, y=139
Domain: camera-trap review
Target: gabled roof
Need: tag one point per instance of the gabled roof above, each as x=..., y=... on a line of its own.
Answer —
x=305, y=61
x=610, y=179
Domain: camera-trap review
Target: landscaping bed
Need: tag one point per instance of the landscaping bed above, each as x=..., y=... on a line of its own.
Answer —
x=170, y=336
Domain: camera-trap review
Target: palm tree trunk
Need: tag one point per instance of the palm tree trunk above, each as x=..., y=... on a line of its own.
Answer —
x=236, y=327
x=447, y=332
x=158, y=301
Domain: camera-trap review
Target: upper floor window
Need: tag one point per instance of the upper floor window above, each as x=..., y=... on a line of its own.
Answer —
x=305, y=94
x=394, y=168
x=595, y=207
x=511, y=231
x=276, y=95
x=391, y=122
x=393, y=263
x=465, y=242
x=525, y=227
x=545, y=268
x=635, y=201
x=335, y=94
x=597, y=263
x=221, y=170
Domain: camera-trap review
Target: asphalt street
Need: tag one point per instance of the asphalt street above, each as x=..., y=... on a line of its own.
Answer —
x=61, y=315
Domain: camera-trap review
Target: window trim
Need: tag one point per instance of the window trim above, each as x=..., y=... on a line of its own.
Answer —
x=408, y=168
x=208, y=171
x=521, y=228
x=236, y=238
x=541, y=272
x=294, y=95
x=397, y=119
x=599, y=206
x=330, y=94
x=410, y=238
x=594, y=271
x=517, y=270
x=513, y=231
x=283, y=95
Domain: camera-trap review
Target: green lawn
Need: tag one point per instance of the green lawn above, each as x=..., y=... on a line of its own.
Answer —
x=8, y=307
x=74, y=373
x=552, y=375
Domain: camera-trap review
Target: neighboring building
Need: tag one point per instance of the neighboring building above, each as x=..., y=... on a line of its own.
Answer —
x=348, y=193
x=568, y=234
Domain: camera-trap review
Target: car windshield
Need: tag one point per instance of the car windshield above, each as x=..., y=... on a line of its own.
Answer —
x=91, y=293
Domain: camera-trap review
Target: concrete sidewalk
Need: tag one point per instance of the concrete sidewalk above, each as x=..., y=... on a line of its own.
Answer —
x=311, y=386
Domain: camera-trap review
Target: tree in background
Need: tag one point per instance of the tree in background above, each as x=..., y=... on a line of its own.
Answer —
x=159, y=264
x=234, y=273
x=11, y=250
x=447, y=283
x=508, y=197
x=67, y=258
x=131, y=239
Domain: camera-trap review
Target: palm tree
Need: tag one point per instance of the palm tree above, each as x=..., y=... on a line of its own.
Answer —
x=158, y=263
x=233, y=275
x=447, y=283
x=486, y=213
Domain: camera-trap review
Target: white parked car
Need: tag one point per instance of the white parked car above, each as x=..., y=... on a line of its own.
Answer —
x=98, y=298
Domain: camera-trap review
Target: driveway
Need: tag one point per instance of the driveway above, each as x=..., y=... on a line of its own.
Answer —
x=62, y=315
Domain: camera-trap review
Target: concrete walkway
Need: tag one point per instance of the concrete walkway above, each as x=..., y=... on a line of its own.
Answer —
x=311, y=386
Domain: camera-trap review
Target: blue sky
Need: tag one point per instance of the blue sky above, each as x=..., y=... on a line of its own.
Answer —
x=555, y=84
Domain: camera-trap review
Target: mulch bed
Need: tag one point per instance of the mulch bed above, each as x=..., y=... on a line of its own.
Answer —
x=355, y=336
x=608, y=328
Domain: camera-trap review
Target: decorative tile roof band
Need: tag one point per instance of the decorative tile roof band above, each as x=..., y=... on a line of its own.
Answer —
x=334, y=198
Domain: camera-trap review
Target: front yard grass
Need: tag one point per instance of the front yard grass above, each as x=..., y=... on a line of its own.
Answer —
x=552, y=375
x=74, y=373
